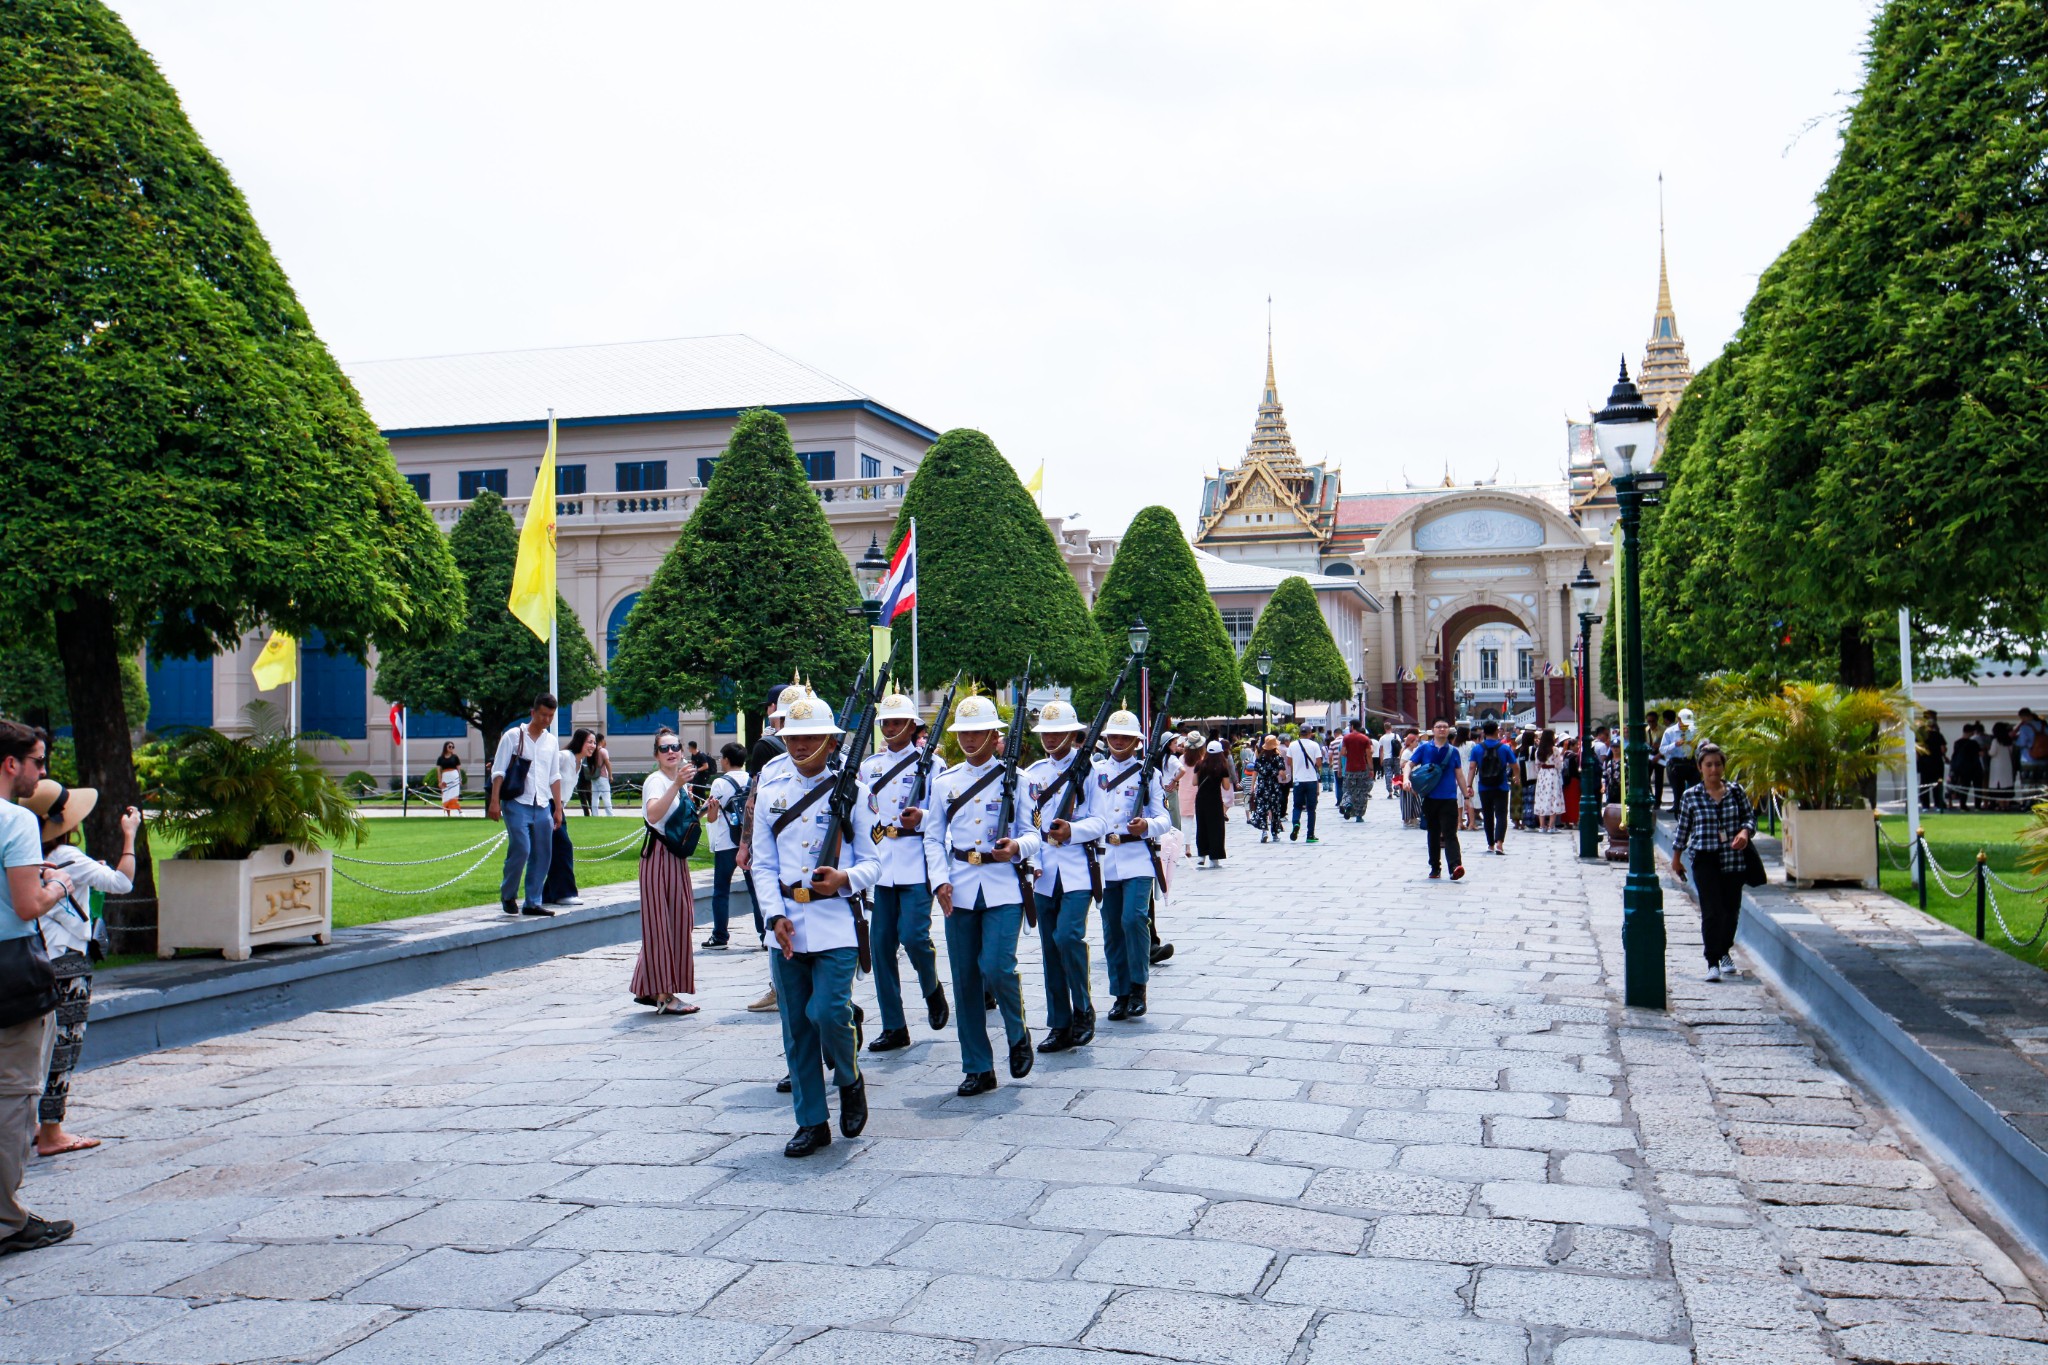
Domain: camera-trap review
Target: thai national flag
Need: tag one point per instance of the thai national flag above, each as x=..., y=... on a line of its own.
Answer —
x=899, y=589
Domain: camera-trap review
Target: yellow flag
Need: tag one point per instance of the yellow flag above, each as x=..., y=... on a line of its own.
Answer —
x=533, y=577
x=278, y=663
x=1037, y=482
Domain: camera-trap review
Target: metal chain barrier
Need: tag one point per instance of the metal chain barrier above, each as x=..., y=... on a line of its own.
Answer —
x=2006, y=929
x=418, y=862
x=489, y=847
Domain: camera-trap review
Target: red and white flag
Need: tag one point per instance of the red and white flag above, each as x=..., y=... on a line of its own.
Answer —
x=899, y=589
x=397, y=723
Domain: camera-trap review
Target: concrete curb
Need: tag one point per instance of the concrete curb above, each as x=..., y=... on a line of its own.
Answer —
x=364, y=964
x=1876, y=1021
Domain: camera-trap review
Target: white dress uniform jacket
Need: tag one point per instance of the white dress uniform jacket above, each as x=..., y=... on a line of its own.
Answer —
x=901, y=851
x=1065, y=864
x=1116, y=806
x=974, y=828
x=787, y=859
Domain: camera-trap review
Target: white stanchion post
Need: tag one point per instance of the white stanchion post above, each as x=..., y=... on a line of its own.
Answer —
x=1912, y=747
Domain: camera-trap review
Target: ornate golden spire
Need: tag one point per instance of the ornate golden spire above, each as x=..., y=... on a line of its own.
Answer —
x=1665, y=370
x=1270, y=442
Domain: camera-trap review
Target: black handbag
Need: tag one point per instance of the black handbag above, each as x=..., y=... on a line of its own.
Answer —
x=512, y=785
x=1753, y=873
x=28, y=984
x=679, y=829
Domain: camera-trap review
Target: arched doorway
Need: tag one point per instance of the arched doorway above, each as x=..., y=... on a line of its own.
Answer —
x=1451, y=633
x=614, y=722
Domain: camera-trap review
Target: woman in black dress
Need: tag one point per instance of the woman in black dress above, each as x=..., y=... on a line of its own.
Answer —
x=1213, y=795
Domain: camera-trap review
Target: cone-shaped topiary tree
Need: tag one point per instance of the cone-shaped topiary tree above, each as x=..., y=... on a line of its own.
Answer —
x=1155, y=576
x=490, y=671
x=754, y=588
x=1307, y=665
x=992, y=589
x=183, y=459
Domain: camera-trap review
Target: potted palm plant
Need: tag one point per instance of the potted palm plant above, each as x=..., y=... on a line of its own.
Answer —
x=249, y=814
x=1816, y=747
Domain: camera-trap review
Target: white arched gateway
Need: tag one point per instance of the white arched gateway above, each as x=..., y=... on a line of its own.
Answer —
x=1460, y=559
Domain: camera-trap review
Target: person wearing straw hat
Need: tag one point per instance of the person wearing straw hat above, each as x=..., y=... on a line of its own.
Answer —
x=972, y=866
x=811, y=916
x=68, y=939
x=903, y=901
x=768, y=754
x=1134, y=819
x=1068, y=876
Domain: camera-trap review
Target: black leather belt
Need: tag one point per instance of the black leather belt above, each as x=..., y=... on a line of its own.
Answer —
x=880, y=832
x=975, y=857
x=802, y=894
x=1123, y=838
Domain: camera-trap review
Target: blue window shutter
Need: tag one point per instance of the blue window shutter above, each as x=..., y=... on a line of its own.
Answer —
x=629, y=725
x=180, y=693
x=422, y=484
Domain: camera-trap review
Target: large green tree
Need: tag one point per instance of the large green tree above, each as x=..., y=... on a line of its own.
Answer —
x=184, y=461
x=32, y=686
x=1307, y=665
x=1888, y=390
x=754, y=589
x=490, y=670
x=1155, y=576
x=992, y=589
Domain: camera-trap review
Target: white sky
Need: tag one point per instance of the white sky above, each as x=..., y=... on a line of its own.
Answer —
x=1056, y=222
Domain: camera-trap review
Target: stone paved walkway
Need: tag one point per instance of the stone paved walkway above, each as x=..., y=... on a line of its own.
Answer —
x=1369, y=1119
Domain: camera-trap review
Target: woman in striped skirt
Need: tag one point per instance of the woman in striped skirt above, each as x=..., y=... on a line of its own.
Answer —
x=668, y=909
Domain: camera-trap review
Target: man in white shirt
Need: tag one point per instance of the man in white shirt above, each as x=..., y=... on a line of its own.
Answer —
x=532, y=810
x=1390, y=758
x=1304, y=762
x=903, y=902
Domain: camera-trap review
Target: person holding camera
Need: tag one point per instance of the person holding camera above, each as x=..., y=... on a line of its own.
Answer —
x=70, y=941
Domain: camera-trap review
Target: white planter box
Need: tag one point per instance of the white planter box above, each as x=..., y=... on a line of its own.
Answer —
x=276, y=893
x=1830, y=846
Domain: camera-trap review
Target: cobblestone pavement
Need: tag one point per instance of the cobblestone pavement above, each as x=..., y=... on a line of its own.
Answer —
x=1370, y=1118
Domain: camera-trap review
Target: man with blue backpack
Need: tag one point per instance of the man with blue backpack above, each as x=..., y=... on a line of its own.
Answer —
x=1497, y=769
x=725, y=813
x=1436, y=770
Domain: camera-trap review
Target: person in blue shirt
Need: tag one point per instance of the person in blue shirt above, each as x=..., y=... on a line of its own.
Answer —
x=1440, y=798
x=1495, y=769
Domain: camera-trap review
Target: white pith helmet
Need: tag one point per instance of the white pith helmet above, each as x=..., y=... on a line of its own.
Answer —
x=975, y=713
x=1685, y=715
x=809, y=716
x=1123, y=723
x=1056, y=717
x=791, y=695
x=896, y=706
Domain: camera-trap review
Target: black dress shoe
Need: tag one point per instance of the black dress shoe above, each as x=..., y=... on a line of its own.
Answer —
x=1121, y=1009
x=809, y=1138
x=1161, y=952
x=1021, y=1060
x=536, y=910
x=1059, y=1040
x=980, y=1083
x=853, y=1107
x=988, y=1001
x=936, y=1010
x=1083, y=1029
x=509, y=907
x=1136, y=1008
x=783, y=1087
x=890, y=1039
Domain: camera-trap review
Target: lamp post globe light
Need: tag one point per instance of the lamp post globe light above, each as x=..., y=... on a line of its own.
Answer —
x=869, y=571
x=1265, y=664
x=1586, y=597
x=1137, y=635
x=1626, y=433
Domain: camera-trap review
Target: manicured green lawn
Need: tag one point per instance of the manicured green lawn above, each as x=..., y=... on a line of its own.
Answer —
x=431, y=835
x=1953, y=842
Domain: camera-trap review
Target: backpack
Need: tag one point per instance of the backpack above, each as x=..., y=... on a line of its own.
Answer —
x=1423, y=777
x=734, y=811
x=2038, y=750
x=1493, y=769
x=679, y=829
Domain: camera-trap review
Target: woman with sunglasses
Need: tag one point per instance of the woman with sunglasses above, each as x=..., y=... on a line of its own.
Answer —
x=668, y=910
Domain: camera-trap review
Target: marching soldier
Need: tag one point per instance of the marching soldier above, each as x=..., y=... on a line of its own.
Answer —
x=973, y=870
x=1068, y=876
x=1134, y=818
x=812, y=920
x=903, y=902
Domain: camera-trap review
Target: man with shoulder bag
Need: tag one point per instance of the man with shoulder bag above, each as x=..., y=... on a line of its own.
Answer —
x=526, y=793
x=28, y=986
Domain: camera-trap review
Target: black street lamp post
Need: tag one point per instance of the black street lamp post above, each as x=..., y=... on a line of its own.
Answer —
x=1585, y=597
x=869, y=571
x=1265, y=663
x=1626, y=432
x=1137, y=635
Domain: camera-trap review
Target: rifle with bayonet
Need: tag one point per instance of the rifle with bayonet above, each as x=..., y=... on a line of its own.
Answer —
x=1074, y=778
x=846, y=797
x=922, y=789
x=1006, y=811
x=1161, y=736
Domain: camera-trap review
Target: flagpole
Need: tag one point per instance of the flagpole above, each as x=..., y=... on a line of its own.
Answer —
x=554, y=617
x=916, y=690
x=298, y=662
x=404, y=761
